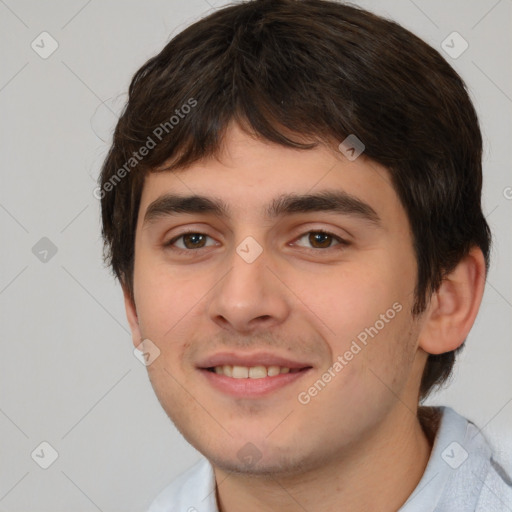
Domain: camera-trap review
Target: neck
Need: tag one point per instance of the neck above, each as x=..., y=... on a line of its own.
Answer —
x=376, y=473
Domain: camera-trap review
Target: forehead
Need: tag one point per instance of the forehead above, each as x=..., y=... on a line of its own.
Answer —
x=260, y=179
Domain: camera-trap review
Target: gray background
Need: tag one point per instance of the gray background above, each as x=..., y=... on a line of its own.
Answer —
x=67, y=373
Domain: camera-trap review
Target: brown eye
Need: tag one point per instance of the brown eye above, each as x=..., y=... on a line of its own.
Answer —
x=188, y=241
x=322, y=240
x=193, y=240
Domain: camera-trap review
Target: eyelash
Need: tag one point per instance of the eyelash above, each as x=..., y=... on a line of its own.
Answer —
x=341, y=241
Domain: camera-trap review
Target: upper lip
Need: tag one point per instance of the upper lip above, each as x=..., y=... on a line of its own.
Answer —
x=255, y=359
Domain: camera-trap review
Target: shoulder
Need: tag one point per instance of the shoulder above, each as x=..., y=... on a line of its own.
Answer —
x=478, y=477
x=493, y=480
x=496, y=494
x=463, y=473
x=191, y=491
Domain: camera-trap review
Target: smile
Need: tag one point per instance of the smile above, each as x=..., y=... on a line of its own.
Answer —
x=252, y=382
x=252, y=372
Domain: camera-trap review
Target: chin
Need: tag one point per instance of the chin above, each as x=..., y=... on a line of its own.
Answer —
x=250, y=460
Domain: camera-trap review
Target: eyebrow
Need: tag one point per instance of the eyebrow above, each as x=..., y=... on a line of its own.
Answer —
x=286, y=204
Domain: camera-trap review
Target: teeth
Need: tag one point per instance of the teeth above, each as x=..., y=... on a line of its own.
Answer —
x=240, y=372
x=253, y=372
x=273, y=371
x=257, y=372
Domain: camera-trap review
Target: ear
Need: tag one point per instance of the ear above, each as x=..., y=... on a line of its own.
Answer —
x=131, y=315
x=454, y=306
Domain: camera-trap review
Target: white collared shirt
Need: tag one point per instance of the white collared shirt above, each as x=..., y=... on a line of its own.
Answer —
x=461, y=476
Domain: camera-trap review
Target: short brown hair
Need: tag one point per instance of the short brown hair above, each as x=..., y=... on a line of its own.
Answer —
x=320, y=70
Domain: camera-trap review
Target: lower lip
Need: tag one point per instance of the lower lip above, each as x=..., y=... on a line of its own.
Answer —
x=252, y=388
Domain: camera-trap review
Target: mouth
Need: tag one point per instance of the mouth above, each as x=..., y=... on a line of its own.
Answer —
x=251, y=376
x=252, y=372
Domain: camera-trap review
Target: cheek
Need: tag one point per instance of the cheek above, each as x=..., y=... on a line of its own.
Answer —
x=367, y=310
x=165, y=298
x=352, y=297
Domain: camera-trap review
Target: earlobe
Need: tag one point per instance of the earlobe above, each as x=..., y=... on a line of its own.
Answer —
x=132, y=317
x=454, y=306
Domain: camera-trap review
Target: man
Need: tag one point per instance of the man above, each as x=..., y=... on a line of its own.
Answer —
x=292, y=206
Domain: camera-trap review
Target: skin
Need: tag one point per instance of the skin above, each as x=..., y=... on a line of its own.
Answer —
x=357, y=442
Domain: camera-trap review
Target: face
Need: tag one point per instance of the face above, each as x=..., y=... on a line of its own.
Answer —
x=281, y=320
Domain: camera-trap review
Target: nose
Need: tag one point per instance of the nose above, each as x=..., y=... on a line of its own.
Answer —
x=249, y=296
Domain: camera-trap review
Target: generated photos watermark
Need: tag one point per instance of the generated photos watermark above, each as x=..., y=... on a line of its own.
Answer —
x=157, y=135
x=304, y=397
